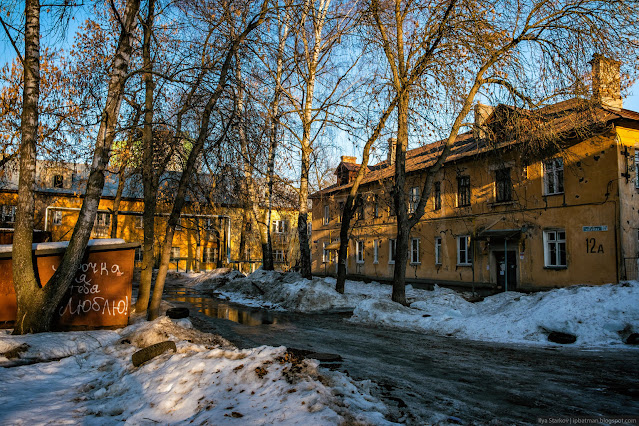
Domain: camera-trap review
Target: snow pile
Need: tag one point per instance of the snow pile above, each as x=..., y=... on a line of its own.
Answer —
x=600, y=315
x=282, y=291
x=597, y=315
x=206, y=381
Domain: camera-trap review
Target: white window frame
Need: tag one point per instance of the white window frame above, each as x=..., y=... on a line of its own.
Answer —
x=57, y=217
x=375, y=251
x=392, y=250
x=208, y=255
x=326, y=254
x=278, y=255
x=9, y=211
x=139, y=254
x=414, y=251
x=438, y=250
x=140, y=222
x=281, y=226
x=103, y=219
x=413, y=199
x=359, y=251
x=175, y=250
x=552, y=239
x=464, y=255
x=327, y=215
x=552, y=169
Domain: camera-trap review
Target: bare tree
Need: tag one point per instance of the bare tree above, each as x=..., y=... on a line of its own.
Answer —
x=36, y=305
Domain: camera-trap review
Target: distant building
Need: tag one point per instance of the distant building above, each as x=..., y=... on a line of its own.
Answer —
x=502, y=214
x=211, y=230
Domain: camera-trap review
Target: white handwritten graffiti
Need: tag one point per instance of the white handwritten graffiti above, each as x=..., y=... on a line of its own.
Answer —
x=103, y=268
x=96, y=304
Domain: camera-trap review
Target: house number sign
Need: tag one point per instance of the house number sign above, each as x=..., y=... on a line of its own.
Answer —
x=594, y=228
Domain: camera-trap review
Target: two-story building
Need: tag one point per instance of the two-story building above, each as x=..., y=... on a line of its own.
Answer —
x=527, y=200
x=212, y=231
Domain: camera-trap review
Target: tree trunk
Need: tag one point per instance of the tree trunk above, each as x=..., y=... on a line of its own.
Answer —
x=31, y=298
x=399, y=199
x=156, y=299
x=117, y=200
x=150, y=176
x=302, y=218
x=58, y=285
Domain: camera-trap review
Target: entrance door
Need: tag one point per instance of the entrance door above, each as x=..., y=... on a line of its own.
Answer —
x=506, y=263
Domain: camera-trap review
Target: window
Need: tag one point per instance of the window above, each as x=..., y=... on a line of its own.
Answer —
x=359, y=251
x=438, y=250
x=636, y=167
x=413, y=199
x=375, y=251
x=57, y=217
x=58, y=181
x=279, y=255
x=178, y=225
x=554, y=176
x=414, y=250
x=309, y=228
x=375, y=206
x=326, y=253
x=392, y=250
x=503, y=185
x=8, y=214
x=555, y=248
x=138, y=254
x=280, y=226
x=437, y=195
x=209, y=224
x=103, y=219
x=327, y=215
x=463, y=191
x=209, y=255
x=360, y=209
x=464, y=255
x=340, y=213
x=175, y=254
x=140, y=222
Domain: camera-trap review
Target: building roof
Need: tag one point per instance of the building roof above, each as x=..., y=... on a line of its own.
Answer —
x=562, y=120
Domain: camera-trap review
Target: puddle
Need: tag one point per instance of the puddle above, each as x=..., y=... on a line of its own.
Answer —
x=215, y=308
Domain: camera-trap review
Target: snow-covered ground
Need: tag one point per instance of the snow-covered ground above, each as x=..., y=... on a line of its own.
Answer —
x=597, y=316
x=88, y=378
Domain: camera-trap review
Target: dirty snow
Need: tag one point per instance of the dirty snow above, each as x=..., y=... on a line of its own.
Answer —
x=597, y=315
x=206, y=381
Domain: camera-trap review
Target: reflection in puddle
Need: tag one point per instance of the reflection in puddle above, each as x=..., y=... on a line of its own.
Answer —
x=219, y=309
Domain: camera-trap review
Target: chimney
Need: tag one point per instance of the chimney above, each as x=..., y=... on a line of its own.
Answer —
x=482, y=112
x=606, y=81
x=349, y=160
x=392, y=147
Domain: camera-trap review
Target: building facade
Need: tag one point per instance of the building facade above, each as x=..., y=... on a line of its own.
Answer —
x=500, y=215
x=209, y=235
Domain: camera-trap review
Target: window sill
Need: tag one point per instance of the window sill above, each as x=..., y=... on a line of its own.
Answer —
x=415, y=263
x=391, y=263
x=554, y=193
x=556, y=268
x=360, y=262
x=375, y=263
x=464, y=264
x=501, y=203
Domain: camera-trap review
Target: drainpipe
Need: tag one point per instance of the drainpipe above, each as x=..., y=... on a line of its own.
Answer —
x=505, y=264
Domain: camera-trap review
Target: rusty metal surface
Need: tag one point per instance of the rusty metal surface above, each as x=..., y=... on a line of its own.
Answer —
x=100, y=295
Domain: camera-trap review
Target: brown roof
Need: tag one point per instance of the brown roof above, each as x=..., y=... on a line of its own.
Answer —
x=565, y=118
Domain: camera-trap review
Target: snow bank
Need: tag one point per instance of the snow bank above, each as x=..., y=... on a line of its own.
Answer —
x=597, y=315
x=281, y=291
x=206, y=381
